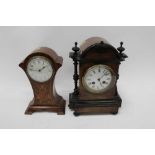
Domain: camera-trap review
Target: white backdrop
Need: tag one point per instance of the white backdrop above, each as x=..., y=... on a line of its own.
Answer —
x=136, y=84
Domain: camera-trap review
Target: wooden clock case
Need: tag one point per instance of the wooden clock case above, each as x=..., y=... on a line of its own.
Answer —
x=45, y=95
x=92, y=52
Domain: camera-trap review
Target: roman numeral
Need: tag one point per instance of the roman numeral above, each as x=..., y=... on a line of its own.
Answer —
x=106, y=73
x=99, y=70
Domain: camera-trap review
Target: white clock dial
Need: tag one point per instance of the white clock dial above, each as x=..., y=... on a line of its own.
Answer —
x=39, y=69
x=98, y=78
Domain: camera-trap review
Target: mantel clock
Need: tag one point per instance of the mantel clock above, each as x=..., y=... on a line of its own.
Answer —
x=41, y=67
x=95, y=89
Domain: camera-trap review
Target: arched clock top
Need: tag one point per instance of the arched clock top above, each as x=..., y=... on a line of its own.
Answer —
x=45, y=52
x=41, y=67
x=91, y=41
x=96, y=71
x=100, y=46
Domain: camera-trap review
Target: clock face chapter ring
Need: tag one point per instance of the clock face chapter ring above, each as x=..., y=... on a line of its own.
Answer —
x=40, y=69
x=98, y=79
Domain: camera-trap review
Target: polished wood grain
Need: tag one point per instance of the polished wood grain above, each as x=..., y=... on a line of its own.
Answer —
x=95, y=51
x=45, y=95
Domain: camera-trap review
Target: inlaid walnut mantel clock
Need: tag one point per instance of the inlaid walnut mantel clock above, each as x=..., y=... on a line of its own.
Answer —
x=98, y=69
x=41, y=67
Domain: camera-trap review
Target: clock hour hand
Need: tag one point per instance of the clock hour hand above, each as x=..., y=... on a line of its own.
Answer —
x=42, y=68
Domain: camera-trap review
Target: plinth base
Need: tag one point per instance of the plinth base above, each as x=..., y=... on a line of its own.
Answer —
x=86, y=107
x=59, y=108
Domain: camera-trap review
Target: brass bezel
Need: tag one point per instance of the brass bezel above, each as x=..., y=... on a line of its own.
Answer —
x=113, y=81
x=43, y=57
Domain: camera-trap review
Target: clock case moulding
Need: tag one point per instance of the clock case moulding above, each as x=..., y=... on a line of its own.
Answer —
x=45, y=95
x=92, y=52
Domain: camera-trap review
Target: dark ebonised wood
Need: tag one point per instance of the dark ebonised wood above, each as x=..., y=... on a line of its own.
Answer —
x=94, y=51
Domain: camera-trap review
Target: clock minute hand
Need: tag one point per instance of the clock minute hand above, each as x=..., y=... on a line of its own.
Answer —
x=101, y=84
x=42, y=68
x=102, y=76
x=33, y=70
x=100, y=81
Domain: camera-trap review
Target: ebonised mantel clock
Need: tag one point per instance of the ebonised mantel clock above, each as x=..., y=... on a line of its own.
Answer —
x=95, y=89
x=41, y=67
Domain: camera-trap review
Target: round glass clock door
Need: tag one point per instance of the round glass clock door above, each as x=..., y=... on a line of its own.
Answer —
x=98, y=79
x=39, y=68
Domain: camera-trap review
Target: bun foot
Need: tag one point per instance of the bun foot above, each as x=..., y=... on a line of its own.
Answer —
x=61, y=113
x=115, y=112
x=76, y=114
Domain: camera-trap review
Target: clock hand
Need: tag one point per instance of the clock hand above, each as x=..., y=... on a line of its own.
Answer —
x=101, y=84
x=100, y=81
x=33, y=70
x=39, y=70
x=42, y=68
x=102, y=76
